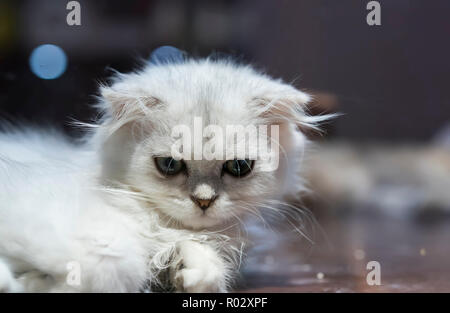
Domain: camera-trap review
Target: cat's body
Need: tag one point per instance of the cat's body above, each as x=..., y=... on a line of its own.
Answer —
x=99, y=216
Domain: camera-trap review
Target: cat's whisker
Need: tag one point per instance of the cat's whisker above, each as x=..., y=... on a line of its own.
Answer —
x=255, y=212
x=119, y=191
x=240, y=221
x=298, y=216
x=308, y=215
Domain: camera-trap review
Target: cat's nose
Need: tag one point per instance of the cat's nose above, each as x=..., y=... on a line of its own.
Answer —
x=203, y=203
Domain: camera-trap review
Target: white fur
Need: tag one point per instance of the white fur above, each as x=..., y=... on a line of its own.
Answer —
x=103, y=205
x=204, y=191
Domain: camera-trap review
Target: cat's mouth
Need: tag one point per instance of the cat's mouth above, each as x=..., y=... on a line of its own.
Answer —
x=204, y=215
x=203, y=219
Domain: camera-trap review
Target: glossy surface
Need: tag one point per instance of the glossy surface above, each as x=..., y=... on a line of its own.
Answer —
x=414, y=257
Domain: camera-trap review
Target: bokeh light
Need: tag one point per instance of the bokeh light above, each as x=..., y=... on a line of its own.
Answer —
x=167, y=54
x=48, y=61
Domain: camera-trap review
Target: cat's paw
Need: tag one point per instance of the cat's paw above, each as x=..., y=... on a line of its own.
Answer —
x=200, y=269
x=199, y=280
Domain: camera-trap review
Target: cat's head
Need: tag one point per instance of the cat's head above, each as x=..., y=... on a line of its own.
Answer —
x=137, y=138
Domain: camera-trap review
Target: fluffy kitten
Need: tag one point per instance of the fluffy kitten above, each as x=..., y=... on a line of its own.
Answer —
x=100, y=216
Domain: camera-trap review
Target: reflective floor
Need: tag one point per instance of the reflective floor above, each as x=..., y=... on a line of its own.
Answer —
x=413, y=256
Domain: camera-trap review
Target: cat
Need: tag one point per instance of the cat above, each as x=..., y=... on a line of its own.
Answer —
x=116, y=212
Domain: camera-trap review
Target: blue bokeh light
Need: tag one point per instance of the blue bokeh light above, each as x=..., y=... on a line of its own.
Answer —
x=167, y=54
x=48, y=61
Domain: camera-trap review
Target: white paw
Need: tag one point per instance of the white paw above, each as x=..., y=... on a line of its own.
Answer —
x=200, y=280
x=202, y=270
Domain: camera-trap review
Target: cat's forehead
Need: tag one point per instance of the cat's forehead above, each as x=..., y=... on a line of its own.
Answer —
x=213, y=90
x=205, y=110
x=214, y=106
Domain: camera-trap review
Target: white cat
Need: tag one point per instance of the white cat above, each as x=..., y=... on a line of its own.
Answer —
x=116, y=213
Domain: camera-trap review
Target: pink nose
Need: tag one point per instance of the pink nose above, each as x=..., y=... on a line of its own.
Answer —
x=203, y=203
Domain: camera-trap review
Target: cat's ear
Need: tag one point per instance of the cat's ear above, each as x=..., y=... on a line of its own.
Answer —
x=113, y=101
x=125, y=102
x=284, y=103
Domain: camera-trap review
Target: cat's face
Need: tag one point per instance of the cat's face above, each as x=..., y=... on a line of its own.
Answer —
x=195, y=192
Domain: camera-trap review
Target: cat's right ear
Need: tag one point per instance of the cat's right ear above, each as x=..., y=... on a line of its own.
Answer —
x=113, y=101
x=125, y=103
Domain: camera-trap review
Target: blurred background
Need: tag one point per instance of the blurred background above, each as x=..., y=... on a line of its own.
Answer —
x=380, y=174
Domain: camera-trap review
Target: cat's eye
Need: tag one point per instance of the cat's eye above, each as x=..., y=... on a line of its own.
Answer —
x=238, y=168
x=169, y=166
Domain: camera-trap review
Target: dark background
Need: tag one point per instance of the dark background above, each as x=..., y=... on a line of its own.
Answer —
x=391, y=81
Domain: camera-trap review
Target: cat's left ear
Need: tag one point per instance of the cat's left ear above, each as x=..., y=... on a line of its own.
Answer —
x=283, y=103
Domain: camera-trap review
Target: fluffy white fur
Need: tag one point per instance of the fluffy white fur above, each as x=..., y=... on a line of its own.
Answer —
x=103, y=205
